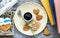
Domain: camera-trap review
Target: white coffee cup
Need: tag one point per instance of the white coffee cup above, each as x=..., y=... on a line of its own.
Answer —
x=27, y=17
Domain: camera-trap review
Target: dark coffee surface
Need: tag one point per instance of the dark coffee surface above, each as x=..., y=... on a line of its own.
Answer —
x=27, y=16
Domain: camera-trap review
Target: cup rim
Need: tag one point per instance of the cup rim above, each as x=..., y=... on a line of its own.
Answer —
x=28, y=20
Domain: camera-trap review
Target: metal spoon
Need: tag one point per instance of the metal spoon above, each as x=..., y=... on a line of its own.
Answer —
x=19, y=13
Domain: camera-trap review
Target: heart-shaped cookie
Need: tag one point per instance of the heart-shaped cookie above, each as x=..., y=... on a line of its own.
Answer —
x=5, y=24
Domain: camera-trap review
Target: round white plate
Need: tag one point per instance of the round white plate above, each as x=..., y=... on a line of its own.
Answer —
x=28, y=7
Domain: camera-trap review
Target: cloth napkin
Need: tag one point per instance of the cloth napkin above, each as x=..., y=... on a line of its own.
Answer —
x=57, y=7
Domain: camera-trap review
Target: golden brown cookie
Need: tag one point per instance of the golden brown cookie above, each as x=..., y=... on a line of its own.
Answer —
x=39, y=17
x=5, y=27
x=36, y=11
x=46, y=32
x=26, y=27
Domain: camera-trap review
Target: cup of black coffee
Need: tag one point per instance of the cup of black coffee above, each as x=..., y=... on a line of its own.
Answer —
x=27, y=16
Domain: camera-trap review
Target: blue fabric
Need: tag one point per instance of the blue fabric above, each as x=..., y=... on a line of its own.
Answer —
x=53, y=9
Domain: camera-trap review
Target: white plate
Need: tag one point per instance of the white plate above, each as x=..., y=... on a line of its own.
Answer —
x=28, y=7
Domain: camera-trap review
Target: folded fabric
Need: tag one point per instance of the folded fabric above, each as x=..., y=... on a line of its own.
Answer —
x=46, y=5
x=53, y=9
x=57, y=7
